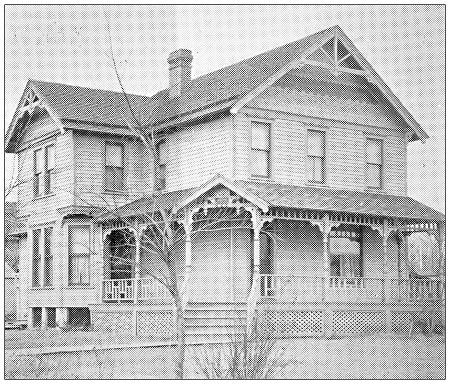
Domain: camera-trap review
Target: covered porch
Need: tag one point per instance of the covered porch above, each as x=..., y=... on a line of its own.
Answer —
x=267, y=255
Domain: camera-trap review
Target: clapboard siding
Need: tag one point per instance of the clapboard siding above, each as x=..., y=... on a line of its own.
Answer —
x=372, y=246
x=242, y=263
x=90, y=170
x=345, y=151
x=43, y=209
x=195, y=154
x=299, y=250
x=211, y=267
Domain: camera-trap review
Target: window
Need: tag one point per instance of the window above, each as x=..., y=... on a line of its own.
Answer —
x=50, y=165
x=44, y=164
x=79, y=255
x=114, y=167
x=260, y=155
x=316, y=156
x=345, y=254
x=36, y=262
x=38, y=172
x=374, y=163
x=162, y=158
x=48, y=257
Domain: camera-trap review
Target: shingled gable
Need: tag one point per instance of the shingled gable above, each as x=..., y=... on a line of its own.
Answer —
x=227, y=89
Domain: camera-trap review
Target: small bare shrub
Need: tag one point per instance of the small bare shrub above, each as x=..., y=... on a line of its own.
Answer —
x=252, y=355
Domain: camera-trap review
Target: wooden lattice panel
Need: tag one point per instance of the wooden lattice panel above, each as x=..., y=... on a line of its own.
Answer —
x=159, y=325
x=351, y=322
x=401, y=321
x=117, y=322
x=293, y=322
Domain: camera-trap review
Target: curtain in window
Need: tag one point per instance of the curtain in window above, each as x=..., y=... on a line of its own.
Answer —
x=79, y=254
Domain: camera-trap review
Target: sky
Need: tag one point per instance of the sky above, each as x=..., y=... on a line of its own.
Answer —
x=69, y=44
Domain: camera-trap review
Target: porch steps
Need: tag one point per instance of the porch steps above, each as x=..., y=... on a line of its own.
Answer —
x=215, y=321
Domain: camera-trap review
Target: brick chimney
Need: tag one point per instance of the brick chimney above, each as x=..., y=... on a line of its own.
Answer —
x=179, y=71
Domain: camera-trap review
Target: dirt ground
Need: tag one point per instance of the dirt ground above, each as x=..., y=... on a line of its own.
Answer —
x=371, y=357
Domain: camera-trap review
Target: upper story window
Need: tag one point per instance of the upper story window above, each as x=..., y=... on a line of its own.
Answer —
x=316, y=156
x=79, y=254
x=260, y=155
x=374, y=163
x=163, y=151
x=42, y=254
x=114, y=167
x=44, y=164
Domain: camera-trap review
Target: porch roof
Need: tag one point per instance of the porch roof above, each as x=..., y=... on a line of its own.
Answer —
x=340, y=200
x=290, y=196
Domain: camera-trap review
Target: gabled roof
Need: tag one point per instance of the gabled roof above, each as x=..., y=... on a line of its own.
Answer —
x=228, y=88
x=288, y=196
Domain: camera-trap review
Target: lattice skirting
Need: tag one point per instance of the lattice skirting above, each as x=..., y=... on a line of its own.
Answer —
x=354, y=322
x=292, y=323
x=401, y=321
x=158, y=325
x=117, y=322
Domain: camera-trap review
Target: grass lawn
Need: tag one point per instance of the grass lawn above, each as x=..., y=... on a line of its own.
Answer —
x=371, y=357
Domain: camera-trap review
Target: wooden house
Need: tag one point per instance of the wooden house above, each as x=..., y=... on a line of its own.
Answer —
x=305, y=143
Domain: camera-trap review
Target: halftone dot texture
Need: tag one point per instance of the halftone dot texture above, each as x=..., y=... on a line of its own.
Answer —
x=337, y=292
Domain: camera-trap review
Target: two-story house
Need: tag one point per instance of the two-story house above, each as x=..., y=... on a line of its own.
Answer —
x=306, y=144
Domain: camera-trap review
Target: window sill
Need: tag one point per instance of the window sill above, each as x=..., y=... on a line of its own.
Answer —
x=78, y=287
x=118, y=192
x=49, y=288
x=379, y=191
x=44, y=196
x=317, y=185
x=262, y=179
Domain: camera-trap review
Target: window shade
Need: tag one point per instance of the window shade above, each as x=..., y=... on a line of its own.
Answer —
x=79, y=240
x=316, y=143
x=38, y=161
x=163, y=152
x=114, y=155
x=374, y=151
x=260, y=135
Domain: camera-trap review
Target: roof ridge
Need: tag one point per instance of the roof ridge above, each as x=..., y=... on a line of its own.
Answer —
x=198, y=77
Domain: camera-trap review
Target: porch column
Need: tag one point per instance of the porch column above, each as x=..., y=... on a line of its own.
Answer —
x=188, y=258
x=441, y=244
x=326, y=257
x=137, y=256
x=386, y=281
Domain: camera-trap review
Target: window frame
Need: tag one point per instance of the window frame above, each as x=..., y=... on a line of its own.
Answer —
x=161, y=183
x=46, y=174
x=106, y=186
x=323, y=130
x=381, y=188
x=40, y=281
x=89, y=254
x=359, y=236
x=269, y=151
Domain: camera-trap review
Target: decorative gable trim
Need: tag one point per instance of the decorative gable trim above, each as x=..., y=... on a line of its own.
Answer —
x=220, y=180
x=335, y=65
x=30, y=100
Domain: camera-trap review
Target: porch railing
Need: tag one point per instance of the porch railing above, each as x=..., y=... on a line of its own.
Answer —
x=416, y=290
x=142, y=289
x=347, y=289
